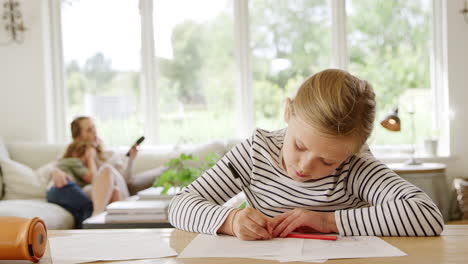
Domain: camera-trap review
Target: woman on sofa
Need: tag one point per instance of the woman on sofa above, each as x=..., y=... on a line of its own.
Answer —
x=108, y=185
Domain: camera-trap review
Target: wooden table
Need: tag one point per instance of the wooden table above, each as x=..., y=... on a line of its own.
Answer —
x=450, y=247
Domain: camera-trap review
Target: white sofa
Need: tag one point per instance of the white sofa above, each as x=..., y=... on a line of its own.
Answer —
x=23, y=194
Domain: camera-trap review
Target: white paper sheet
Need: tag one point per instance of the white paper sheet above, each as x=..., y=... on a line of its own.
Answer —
x=345, y=247
x=277, y=258
x=79, y=248
x=289, y=249
x=207, y=246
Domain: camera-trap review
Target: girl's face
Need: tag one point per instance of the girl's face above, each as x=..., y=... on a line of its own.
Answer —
x=307, y=156
x=87, y=131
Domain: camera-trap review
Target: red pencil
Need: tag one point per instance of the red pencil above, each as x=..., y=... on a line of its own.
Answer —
x=309, y=236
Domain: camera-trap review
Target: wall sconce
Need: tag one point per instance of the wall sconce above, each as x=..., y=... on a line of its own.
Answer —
x=464, y=12
x=13, y=21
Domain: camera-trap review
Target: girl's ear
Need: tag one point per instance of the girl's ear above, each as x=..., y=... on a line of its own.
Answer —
x=287, y=110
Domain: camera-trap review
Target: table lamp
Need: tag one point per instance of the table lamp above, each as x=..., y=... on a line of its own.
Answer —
x=392, y=122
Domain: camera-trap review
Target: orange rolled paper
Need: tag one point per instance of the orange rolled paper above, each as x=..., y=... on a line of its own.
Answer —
x=22, y=239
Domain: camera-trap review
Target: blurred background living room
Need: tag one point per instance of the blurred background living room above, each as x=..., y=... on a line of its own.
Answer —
x=195, y=77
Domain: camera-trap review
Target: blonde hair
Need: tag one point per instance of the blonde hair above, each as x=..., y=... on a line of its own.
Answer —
x=336, y=104
x=77, y=149
x=75, y=129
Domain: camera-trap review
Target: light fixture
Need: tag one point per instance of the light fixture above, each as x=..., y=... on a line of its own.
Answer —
x=392, y=122
x=13, y=21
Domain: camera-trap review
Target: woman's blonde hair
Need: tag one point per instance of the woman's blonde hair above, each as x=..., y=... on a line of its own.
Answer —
x=75, y=129
x=336, y=104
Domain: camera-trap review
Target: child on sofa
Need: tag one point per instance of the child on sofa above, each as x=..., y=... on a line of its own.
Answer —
x=78, y=164
x=75, y=162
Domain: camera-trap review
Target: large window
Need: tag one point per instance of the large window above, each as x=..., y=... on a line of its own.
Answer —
x=290, y=40
x=101, y=43
x=390, y=45
x=196, y=62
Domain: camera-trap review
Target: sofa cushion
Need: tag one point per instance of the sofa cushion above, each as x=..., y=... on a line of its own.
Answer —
x=54, y=216
x=20, y=181
x=3, y=155
x=144, y=180
x=149, y=159
x=35, y=155
x=202, y=150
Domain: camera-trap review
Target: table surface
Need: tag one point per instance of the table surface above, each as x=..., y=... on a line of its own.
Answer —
x=450, y=247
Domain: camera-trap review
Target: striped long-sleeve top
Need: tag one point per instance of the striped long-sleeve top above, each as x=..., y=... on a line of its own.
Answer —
x=366, y=197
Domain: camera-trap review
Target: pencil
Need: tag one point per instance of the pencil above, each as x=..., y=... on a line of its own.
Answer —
x=237, y=176
x=309, y=236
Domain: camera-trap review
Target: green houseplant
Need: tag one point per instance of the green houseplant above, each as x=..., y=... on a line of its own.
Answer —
x=183, y=170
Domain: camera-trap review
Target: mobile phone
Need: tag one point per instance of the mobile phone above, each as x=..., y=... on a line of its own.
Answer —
x=138, y=142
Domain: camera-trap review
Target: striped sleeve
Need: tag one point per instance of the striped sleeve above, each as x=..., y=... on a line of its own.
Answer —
x=396, y=207
x=198, y=207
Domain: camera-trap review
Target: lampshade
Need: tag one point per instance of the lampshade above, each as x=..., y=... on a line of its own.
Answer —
x=392, y=121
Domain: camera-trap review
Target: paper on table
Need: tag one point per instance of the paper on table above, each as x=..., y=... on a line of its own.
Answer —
x=207, y=246
x=278, y=259
x=345, y=247
x=79, y=248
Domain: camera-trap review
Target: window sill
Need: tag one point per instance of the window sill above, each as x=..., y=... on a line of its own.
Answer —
x=402, y=159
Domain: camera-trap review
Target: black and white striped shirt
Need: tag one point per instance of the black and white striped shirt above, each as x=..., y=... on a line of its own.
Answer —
x=367, y=197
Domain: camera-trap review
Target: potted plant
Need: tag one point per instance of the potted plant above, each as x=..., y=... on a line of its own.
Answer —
x=183, y=170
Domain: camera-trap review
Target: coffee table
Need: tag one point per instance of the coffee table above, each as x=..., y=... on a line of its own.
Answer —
x=99, y=222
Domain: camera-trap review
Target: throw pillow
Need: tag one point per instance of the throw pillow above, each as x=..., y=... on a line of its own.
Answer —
x=3, y=154
x=20, y=181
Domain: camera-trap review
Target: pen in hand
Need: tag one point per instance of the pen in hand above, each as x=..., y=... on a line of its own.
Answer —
x=310, y=236
x=245, y=189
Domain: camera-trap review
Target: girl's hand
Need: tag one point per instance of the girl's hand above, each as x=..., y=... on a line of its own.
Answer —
x=301, y=220
x=250, y=224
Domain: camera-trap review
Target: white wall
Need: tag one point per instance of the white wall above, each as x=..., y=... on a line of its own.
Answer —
x=457, y=41
x=25, y=95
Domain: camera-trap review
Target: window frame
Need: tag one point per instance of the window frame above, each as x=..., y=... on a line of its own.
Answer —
x=244, y=100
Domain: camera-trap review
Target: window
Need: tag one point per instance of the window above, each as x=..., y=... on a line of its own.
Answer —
x=101, y=49
x=196, y=62
x=389, y=44
x=290, y=40
x=196, y=70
